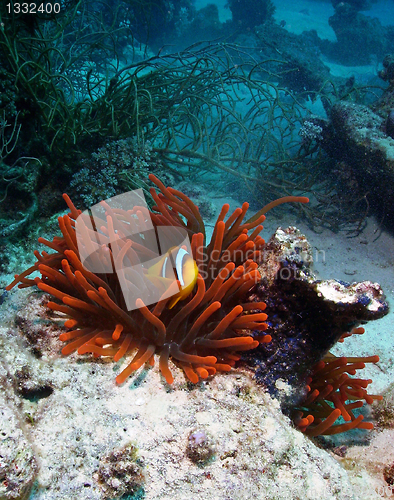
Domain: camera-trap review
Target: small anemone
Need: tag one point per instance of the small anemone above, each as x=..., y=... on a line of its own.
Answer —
x=332, y=393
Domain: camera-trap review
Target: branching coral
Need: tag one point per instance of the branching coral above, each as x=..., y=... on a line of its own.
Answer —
x=203, y=333
x=116, y=167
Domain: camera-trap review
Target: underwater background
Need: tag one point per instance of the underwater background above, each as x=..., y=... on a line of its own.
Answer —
x=227, y=102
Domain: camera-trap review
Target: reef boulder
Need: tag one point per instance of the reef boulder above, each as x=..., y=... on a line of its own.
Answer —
x=359, y=137
x=306, y=315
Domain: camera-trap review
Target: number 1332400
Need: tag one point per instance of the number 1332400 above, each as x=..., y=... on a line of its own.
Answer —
x=34, y=8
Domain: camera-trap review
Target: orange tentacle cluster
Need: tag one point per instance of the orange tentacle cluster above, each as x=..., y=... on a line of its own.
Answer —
x=333, y=394
x=202, y=334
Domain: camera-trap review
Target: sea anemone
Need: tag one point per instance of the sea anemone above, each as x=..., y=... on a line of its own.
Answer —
x=333, y=394
x=202, y=326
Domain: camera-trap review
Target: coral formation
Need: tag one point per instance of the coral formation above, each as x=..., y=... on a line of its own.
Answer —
x=200, y=447
x=203, y=333
x=359, y=36
x=300, y=68
x=18, y=466
x=112, y=168
x=388, y=475
x=85, y=420
x=384, y=411
x=119, y=473
x=387, y=73
x=358, y=138
x=251, y=13
x=298, y=353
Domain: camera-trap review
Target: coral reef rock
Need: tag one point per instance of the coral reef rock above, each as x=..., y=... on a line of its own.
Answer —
x=358, y=136
x=17, y=462
x=306, y=315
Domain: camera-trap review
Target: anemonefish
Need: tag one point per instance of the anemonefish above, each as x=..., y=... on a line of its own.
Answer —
x=177, y=261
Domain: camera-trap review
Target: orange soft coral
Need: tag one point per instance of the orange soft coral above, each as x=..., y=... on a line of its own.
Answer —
x=203, y=333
